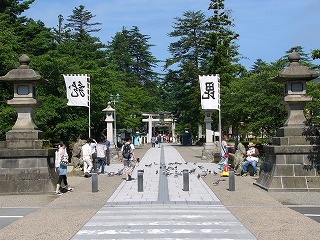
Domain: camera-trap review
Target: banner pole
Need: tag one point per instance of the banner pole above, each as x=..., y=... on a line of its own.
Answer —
x=89, y=118
x=220, y=131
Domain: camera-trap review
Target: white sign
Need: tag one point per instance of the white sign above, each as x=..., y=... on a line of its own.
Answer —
x=210, y=92
x=78, y=89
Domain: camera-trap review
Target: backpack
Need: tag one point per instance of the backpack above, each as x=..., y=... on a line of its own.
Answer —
x=126, y=153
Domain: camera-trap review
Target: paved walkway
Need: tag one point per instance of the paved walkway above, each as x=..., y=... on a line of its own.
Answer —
x=167, y=208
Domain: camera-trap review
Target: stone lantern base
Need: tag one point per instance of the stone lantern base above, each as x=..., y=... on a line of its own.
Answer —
x=286, y=166
x=27, y=171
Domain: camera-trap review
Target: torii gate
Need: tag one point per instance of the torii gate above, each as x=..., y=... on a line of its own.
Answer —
x=150, y=120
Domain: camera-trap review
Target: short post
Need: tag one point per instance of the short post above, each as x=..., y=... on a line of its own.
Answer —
x=140, y=180
x=185, y=174
x=231, y=180
x=94, y=177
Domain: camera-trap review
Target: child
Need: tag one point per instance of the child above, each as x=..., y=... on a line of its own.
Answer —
x=61, y=163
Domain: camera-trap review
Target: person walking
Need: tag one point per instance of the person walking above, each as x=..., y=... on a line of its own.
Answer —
x=101, y=155
x=159, y=138
x=86, y=155
x=107, y=143
x=153, y=141
x=93, y=146
x=128, y=158
x=61, y=164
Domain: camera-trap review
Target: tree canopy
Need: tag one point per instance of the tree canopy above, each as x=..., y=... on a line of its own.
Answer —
x=203, y=44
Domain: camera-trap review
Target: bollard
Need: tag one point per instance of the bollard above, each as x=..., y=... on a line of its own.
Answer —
x=140, y=180
x=231, y=180
x=185, y=180
x=94, y=177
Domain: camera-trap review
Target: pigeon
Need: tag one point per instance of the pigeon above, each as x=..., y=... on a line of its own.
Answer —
x=217, y=182
x=203, y=174
x=148, y=165
x=157, y=172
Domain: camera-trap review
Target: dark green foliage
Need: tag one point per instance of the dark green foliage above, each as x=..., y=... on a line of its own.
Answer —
x=125, y=65
x=129, y=51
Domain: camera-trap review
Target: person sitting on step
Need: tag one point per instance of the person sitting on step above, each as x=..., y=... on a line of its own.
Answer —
x=251, y=159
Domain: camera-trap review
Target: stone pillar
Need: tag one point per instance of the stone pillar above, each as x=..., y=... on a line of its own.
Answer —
x=174, y=136
x=150, y=133
x=109, y=119
x=287, y=157
x=207, y=152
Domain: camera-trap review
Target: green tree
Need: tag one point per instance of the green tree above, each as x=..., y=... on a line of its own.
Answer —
x=76, y=52
x=80, y=24
x=222, y=49
x=18, y=35
x=205, y=46
x=130, y=52
x=181, y=86
x=247, y=99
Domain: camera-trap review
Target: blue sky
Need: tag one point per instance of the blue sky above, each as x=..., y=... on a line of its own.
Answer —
x=267, y=28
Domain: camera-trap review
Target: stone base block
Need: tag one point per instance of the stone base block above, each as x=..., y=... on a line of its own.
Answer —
x=293, y=140
x=290, y=131
x=27, y=171
x=24, y=135
x=208, y=155
x=288, y=171
x=26, y=144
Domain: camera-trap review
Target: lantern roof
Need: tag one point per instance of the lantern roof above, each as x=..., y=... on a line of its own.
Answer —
x=295, y=71
x=109, y=108
x=23, y=73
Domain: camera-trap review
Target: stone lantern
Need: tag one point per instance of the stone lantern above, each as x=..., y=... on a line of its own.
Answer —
x=24, y=133
x=109, y=119
x=294, y=79
x=26, y=166
x=284, y=168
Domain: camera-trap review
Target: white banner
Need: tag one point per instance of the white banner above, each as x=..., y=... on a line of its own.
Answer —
x=78, y=89
x=210, y=92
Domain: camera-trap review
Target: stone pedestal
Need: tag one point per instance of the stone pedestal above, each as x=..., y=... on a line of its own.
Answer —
x=287, y=158
x=27, y=171
x=208, y=151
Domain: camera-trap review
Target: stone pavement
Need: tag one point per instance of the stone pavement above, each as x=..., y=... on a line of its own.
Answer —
x=163, y=210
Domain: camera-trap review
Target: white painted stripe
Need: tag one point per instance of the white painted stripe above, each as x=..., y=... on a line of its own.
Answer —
x=312, y=215
x=11, y=216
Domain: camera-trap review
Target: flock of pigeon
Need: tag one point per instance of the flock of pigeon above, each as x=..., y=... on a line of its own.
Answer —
x=172, y=168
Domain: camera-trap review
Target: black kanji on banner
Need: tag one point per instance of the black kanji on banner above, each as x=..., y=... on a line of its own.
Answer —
x=209, y=92
x=77, y=89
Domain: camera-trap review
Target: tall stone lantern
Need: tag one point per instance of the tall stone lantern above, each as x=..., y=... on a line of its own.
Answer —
x=26, y=166
x=290, y=151
x=24, y=133
x=109, y=119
